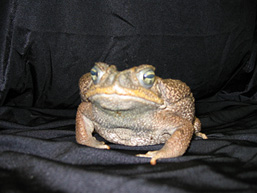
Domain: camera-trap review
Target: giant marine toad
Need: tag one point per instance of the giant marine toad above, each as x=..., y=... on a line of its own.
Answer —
x=134, y=107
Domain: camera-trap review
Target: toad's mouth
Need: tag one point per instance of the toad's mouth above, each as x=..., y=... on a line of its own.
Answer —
x=115, y=102
x=118, y=98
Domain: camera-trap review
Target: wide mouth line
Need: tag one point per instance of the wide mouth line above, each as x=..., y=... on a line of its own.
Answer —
x=123, y=92
x=117, y=102
x=121, y=96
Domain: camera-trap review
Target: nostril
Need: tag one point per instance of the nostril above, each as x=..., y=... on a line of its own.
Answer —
x=109, y=80
x=125, y=80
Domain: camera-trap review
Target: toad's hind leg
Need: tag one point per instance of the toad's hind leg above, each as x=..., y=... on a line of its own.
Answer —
x=197, y=127
x=85, y=128
x=175, y=146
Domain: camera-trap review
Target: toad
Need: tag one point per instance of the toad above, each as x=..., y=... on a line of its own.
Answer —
x=135, y=107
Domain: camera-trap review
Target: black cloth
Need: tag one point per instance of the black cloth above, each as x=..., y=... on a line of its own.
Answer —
x=45, y=47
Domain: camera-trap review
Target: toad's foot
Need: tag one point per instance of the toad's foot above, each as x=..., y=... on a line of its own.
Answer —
x=169, y=151
x=101, y=145
x=151, y=154
x=175, y=146
x=95, y=143
x=159, y=154
x=197, y=127
x=202, y=135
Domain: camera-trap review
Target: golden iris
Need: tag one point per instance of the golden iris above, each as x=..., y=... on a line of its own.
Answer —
x=94, y=74
x=149, y=77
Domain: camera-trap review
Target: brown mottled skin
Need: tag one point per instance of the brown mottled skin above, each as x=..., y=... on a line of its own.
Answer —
x=124, y=109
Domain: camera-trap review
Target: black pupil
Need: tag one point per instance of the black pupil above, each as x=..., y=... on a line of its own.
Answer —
x=148, y=76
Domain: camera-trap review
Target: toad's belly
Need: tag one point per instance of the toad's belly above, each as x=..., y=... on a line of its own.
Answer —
x=132, y=137
x=133, y=128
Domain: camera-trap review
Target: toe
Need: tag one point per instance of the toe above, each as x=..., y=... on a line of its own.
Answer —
x=153, y=161
x=202, y=135
x=148, y=154
x=103, y=146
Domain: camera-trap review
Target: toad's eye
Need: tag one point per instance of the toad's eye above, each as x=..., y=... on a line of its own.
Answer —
x=146, y=78
x=96, y=74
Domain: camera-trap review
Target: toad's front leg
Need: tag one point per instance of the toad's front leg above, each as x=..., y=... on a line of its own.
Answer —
x=176, y=145
x=85, y=128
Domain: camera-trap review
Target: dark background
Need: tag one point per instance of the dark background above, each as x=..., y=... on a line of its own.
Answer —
x=45, y=46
